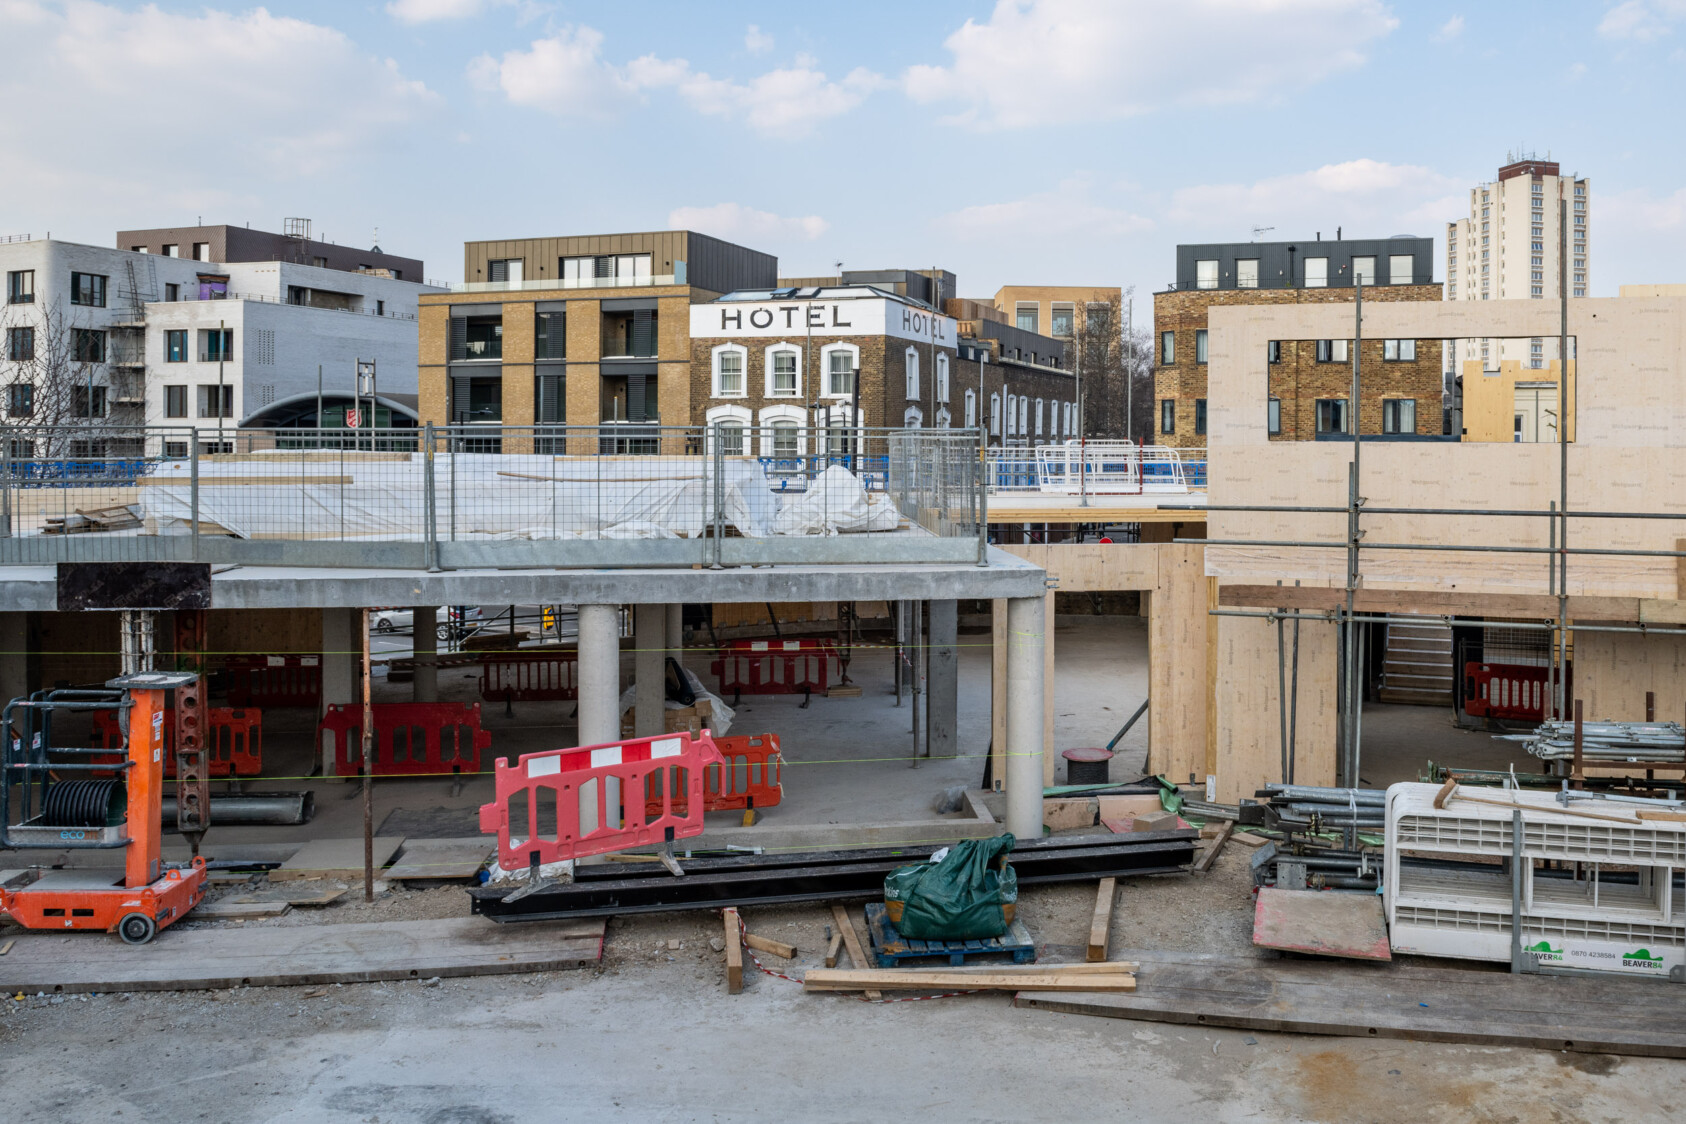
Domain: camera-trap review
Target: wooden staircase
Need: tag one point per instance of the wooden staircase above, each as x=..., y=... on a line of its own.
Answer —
x=1418, y=668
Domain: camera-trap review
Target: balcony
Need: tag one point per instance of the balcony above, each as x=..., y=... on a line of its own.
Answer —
x=543, y=284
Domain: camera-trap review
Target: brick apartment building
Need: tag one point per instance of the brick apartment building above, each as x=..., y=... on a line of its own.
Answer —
x=1310, y=380
x=577, y=331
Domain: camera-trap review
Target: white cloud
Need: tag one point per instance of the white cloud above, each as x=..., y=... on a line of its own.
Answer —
x=1366, y=198
x=284, y=100
x=427, y=11
x=1048, y=61
x=1577, y=71
x=745, y=225
x=1067, y=210
x=1450, y=30
x=756, y=41
x=1641, y=20
x=566, y=74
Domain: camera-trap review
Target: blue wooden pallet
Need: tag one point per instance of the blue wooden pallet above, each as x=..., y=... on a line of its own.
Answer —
x=890, y=949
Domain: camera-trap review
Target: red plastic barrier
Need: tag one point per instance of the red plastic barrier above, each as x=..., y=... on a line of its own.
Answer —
x=748, y=777
x=1518, y=692
x=774, y=667
x=270, y=681
x=411, y=739
x=233, y=741
x=535, y=677
x=554, y=805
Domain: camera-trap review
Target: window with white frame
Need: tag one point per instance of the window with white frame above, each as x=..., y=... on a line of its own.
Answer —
x=942, y=418
x=729, y=363
x=971, y=409
x=837, y=420
x=781, y=432
x=913, y=419
x=1400, y=268
x=1317, y=273
x=1206, y=274
x=1039, y=417
x=1364, y=269
x=912, y=361
x=784, y=363
x=995, y=414
x=729, y=424
x=1399, y=350
x=1012, y=416
x=942, y=377
x=840, y=361
x=1024, y=415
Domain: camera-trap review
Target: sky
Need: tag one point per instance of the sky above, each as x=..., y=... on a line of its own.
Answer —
x=1020, y=142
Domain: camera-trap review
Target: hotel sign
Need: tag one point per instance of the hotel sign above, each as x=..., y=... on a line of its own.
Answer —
x=830, y=319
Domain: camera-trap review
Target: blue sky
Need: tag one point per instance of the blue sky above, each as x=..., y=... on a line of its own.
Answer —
x=1026, y=142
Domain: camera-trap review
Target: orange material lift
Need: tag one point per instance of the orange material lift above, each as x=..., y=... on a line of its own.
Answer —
x=62, y=811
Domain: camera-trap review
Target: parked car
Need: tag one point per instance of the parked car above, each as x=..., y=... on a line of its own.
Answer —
x=394, y=620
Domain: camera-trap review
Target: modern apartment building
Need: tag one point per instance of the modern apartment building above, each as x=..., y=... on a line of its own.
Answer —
x=576, y=330
x=224, y=243
x=772, y=363
x=104, y=339
x=1508, y=248
x=1051, y=310
x=1310, y=380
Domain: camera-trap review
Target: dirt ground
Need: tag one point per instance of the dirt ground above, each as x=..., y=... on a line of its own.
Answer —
x=650, y=1034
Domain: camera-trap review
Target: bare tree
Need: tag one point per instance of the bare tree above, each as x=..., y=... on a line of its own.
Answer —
x=1110, y=360
x=54, y=401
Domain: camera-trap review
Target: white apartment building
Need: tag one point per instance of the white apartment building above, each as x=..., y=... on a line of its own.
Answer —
x=1508, y=248
x=107, y=338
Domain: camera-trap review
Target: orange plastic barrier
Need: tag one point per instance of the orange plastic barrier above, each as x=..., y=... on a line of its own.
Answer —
x=411, y=739
x=269, y=681
x=748, y=777
x=774, y=667
x=556, y=805
x=1519, y=692
x=520, y=677
x=233, y=740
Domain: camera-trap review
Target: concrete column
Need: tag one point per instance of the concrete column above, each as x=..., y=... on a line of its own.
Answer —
x=425, y=624
x=676, y=632
x=943, y=693
x=1025, y=623
x=341, y=657
x=14, y=656
x=599, y=674
x=649, y=626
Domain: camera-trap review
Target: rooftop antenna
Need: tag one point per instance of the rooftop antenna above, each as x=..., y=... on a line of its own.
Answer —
x=1258, y=230
x=377, y=246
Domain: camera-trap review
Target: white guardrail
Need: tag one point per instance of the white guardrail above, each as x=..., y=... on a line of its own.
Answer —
x=1097, y=467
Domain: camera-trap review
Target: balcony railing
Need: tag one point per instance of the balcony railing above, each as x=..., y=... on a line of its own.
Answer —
x=499, y=496
x=535, y=283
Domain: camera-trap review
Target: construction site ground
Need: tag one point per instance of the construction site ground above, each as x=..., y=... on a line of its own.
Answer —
x=650, y=1033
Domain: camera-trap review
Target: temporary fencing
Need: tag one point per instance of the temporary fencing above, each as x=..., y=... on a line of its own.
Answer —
x=565, y=804
x=535, y=677
x=233, y=740
x=1518, y=692
x=774, y=667
x=273, y=681
x=748, y=777
x=411, y=739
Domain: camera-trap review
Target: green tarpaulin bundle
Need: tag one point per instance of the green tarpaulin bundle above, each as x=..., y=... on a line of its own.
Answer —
x=970, y=894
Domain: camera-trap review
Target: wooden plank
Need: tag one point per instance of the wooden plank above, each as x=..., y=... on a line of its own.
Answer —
x=235, y=909
x=195, y=959
x=426, y=860
x=767, y=944
x=734, y=952
x=1177, y=624
x=335, y=858
x=832, y=947
x=1048, y=756
x=1100, y=926
x=1421, y=1000
x=1210, y=854
x=898, y=979
x=1094, y=567
x=852, y=941
x=1350, y=925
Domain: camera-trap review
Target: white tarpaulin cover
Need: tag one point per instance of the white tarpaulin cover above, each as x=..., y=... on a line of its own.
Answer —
x=501, y=496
